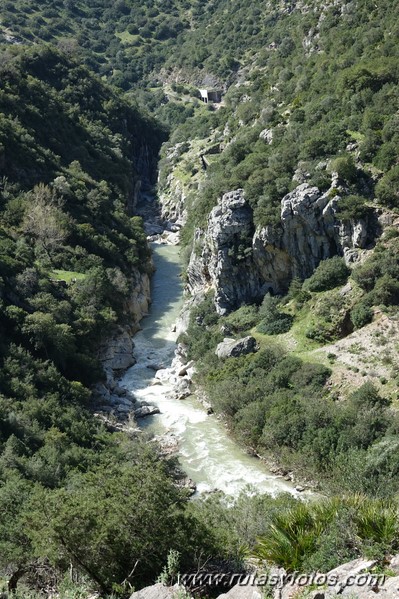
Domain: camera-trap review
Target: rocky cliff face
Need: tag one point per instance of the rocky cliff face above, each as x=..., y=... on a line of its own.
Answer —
x=117, y=353
x=145, y=163
x=241, y=264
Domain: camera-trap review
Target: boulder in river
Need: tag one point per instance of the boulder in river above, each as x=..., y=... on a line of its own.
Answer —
x=233, y=348
x=185, y=367
x=146, y=411
x=182, y=389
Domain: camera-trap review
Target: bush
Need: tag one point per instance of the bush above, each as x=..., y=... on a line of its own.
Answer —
x=242, y=319
x=329, y=274
x=297, y=293
x=276, y=327
x=386, y=291
x=345, y=167
x=353, y=207
x=387, y=190
x=361, y=314
x=273, y=321
x=319, y=536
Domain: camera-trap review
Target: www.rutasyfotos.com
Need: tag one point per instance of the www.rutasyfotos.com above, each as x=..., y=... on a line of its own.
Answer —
x=279, y=580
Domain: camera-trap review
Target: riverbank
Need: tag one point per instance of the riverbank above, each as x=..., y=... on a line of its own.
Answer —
x=206, y=452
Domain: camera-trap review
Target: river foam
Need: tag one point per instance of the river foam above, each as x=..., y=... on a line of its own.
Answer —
x=206, y=452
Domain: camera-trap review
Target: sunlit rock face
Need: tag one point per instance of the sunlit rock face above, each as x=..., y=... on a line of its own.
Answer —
x=241, y=263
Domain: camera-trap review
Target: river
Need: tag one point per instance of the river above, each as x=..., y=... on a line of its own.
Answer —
x=206, y=453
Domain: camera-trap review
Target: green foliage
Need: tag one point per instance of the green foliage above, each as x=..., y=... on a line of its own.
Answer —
x=387, y=189
x=361, y=314
x=329, y=274
x=320, y=535
x=111, y=531
x=378, y=277
x=273, y=322
x=329, y=317
x=242, y=319
x=68, y=249
x=278, y=404
x=345, y=167
x=69, y=147
x=170, y=572
x=297, y=293
x=353, y=207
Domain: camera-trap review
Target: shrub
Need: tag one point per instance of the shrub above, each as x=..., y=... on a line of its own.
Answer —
x=242, y=319
x=386, y=291
x=282, y=324
x=353, y=207
x=367, y=396
x=366, y=274
x=297, y=293
x=273, y=321
x=361, y=314
x=329, y=274
x=318, y=332
x=345, y=167
x=387, y=189
x=319, y=536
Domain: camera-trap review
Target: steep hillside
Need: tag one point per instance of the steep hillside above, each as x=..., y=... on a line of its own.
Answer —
x=72, y=156
x=287, y=196
x=288, y=192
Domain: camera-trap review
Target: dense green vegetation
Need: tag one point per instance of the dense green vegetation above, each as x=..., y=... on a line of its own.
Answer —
x=68, y=147
x=320, y=97
x=68, y=250
x=316, y=94
x=306, y=537
x=279, y=405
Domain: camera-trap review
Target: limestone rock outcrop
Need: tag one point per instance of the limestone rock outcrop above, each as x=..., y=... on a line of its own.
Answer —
x=117, y=354
x=156, y=591
x=146, y=410
x=223, y=264
x=233, y=348
x=241, y=264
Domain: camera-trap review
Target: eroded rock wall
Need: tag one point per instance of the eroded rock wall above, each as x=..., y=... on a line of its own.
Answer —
x=241, y=263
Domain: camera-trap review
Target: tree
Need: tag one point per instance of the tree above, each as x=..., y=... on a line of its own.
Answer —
x=116, y=524
x=387, y=189
x=329, y=274
x=46, y=334
x=44, y=220
x=273, y=321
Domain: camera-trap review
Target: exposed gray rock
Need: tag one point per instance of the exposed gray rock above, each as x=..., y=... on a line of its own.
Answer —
x=156, y=591
x=123, y=409
x=242, y=592
x=182, y=388
x=389, y=589
x=144, y=411
x=101, y=393
x=346, y=572
x=185, y=367
x=153, y=229
x=172, y=200
x=140, y=298
x=266, y=135
x=221, y=264
x=118, y=353
x=233, y=348
x=394, y=564
x=353, y=568
x=242, y=264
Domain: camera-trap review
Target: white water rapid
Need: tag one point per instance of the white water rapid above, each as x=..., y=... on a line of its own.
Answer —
x=206, y=453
